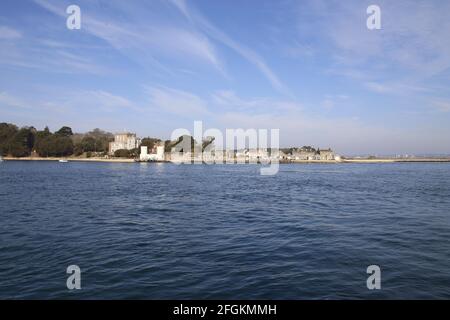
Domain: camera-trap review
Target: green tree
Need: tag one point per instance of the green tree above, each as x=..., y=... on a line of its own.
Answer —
x=134, y=152
x=77, y=149
x=149, y=143
x=64, y=131
x=41, y=145
x=61, y=146
x=7, y=132
x=102, y=139
x=22, y=143
x=89, y=144
x=42, y=134
x=55, y=146
x=179, y=143
x=167, y=146
x=122, y=153
x=206, y=142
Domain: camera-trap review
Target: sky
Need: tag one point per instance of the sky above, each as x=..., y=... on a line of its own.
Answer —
x=310, y=68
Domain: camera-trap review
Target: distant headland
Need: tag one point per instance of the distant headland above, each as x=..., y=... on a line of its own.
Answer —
x=28, y=143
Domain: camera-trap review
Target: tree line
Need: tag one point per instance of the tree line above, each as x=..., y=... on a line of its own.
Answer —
x=26, y=141
x=22, y=142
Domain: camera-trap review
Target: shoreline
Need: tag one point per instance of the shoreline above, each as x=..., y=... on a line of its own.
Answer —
x=343, y=161
x=68, y=159
x=411, y=160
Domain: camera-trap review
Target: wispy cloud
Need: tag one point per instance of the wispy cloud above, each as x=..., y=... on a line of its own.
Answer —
x=142, y=39
x=398, y=87
x=81, y=109
x=250, y=55
x=7, y=100
x=411, y=48
x=45, y=58
x=443, y=106
x=71, y=101
x=105, y=100
x=9, y=33
x=176, y=102
x=378, y=87
x=228, y=100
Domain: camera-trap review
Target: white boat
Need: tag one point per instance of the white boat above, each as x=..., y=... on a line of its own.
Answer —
x=1, y=158
x=63, y=160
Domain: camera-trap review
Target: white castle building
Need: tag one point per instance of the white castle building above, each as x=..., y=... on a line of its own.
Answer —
x=127, y=141
x=158, y=156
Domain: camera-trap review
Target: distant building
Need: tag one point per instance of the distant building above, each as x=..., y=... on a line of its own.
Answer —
x=157, y=155
x=126, y=141
x=284, y=156
x=255, y=155
x=326, y=154
x=308, y=153
x=305, y=153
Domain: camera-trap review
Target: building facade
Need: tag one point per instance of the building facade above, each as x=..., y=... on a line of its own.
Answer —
x=305, y=153
x=310, y=154
x=127, y=141
x=327, y=154
x=156, y=155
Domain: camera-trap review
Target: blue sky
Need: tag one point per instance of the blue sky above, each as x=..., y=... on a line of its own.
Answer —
x=310, y=68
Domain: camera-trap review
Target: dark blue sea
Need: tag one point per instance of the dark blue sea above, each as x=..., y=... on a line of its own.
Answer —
x=165, y=231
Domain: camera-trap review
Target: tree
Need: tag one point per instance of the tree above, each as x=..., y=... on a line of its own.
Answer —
x=89, y=144
x=55, y=146
x=134, y=152
x=77, y=149
x=7, y=132
x=122, y=153
x=61, y=146
x=28, y=134
x=149, y=142
x=96, y=140
x=22, y=143
x=64, y=132
x=42, y=134
x=41, y=145
x=206, y=142
x=102, y=139
x=167, y=146
x=184, y=140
